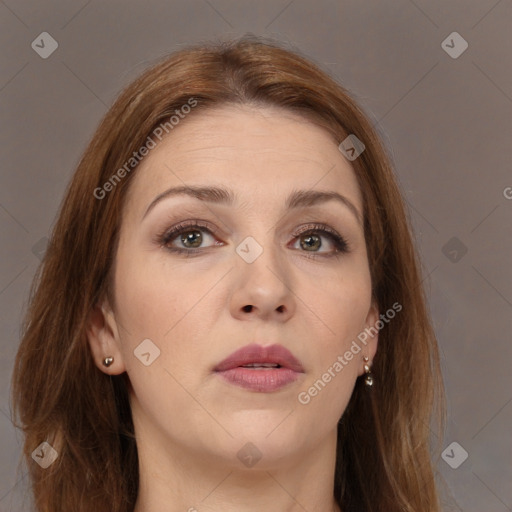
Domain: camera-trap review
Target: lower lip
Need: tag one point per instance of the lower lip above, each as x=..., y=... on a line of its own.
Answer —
x=263, y=380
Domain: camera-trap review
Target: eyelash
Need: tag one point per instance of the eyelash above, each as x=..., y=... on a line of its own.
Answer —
x=340, y=244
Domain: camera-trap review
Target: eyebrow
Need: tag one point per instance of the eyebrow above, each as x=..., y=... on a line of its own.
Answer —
x=297, y=199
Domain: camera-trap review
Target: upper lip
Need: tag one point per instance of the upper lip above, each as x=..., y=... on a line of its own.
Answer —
x=255, y=353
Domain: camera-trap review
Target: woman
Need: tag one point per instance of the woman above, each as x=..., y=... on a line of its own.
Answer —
x=230, y=313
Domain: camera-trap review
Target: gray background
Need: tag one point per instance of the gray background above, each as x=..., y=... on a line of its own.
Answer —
x=447, y=122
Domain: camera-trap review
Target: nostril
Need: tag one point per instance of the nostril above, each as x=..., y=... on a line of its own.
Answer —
x=247, y=308
x=280, y=309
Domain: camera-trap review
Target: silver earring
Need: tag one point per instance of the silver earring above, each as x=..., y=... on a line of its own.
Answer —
x=108, y=361
x=368, y=379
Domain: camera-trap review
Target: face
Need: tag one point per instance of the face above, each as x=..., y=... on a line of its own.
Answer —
x=198, y=278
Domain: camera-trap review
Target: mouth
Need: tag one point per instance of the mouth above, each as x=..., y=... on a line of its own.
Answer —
x=261, y=369
x=261, y=366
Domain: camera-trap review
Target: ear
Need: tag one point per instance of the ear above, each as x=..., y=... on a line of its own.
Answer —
x=371, y=342
x=103, y=337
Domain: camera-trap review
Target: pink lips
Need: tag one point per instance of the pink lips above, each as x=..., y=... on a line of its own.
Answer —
x=260, y=368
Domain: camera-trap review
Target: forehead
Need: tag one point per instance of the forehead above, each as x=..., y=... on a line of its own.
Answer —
x=256, y=151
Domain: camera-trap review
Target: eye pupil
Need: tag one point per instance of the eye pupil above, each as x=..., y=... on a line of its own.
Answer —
x=311, y=241
x=194, y=237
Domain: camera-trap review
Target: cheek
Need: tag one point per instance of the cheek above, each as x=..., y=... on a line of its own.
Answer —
x=327, y=395
x=170, y=307
x=151, y=296
x=336, y=363
x=343, y=303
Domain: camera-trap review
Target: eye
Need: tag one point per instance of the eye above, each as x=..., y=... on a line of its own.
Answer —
x=310, y=239
x=187, y=237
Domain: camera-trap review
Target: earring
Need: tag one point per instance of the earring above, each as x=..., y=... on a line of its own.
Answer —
x=368, y=379
x=108, y=361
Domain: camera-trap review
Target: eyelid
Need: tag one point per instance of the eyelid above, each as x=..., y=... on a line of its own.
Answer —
x=315, y=226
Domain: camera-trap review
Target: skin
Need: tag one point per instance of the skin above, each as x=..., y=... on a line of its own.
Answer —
x=189, y=422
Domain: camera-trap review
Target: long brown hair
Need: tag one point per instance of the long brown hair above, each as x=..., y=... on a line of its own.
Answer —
x=384, y=460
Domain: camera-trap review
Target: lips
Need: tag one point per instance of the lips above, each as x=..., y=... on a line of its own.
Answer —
x=255, y=355
x=261, y=369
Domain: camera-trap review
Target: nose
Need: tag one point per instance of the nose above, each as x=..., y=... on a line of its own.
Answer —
x=263, y=289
